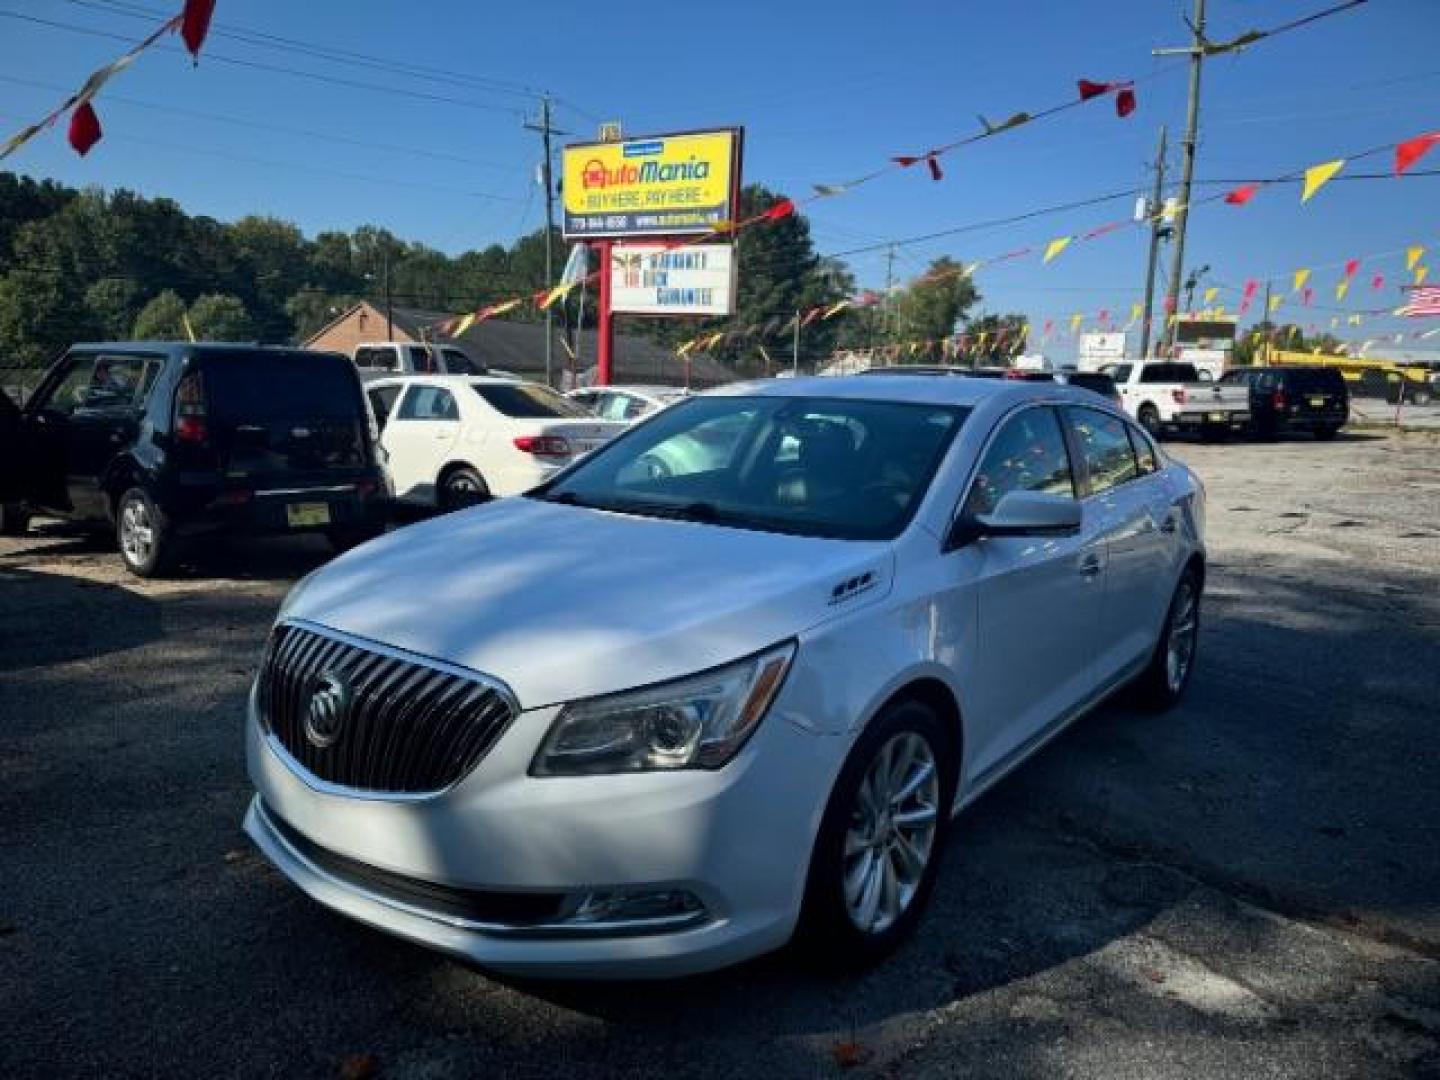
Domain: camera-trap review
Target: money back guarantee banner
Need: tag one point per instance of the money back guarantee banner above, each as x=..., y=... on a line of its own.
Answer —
x=650, y=279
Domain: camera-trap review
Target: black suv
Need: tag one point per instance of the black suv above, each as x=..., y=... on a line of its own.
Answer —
x=1298, y=398
x=166, y=441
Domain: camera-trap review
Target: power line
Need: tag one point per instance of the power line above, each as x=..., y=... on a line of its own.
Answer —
x=303, y=167
x=261, y=39
x=308, y=133
x=257, y=65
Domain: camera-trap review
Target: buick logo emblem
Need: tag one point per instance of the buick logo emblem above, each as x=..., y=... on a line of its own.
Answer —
x=329, y=705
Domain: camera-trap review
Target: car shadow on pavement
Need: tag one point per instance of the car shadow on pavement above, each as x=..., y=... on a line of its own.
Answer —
x=53, y=618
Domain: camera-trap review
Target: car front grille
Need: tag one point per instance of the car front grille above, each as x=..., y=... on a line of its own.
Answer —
x=364, y=717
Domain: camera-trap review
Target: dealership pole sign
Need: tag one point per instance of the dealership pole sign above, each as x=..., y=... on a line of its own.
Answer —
x=657, y=279
x=668, y=185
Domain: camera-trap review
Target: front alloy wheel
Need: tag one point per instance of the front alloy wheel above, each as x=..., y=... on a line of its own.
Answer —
x=1168, y=673
x=892, y=833
x=877, y=852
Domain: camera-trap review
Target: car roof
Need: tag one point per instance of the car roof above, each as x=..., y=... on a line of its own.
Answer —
x=447, y=380
x=920, y=389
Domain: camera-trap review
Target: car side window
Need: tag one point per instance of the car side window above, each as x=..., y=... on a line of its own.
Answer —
x=1146, y=456
x=1109, y=457
x=375, y=359
x=428, y=403
x=101, y=384
x=382, y=401
x=1027, y=454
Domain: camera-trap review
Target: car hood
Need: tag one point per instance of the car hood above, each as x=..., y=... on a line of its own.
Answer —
x=562, y=602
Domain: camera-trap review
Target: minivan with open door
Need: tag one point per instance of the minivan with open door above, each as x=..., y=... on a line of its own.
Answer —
x=167, y=442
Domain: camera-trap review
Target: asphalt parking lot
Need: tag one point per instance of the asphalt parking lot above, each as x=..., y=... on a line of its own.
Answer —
x=1249, y=886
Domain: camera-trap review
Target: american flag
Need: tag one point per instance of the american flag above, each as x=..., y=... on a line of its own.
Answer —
x=1424, y=302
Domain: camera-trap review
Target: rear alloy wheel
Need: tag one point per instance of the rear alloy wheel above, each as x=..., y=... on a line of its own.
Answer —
x=877, y=853
x=1149, y=418
x=1163, y=682
x=146, y=546
x=14, y=519
x=462, y=487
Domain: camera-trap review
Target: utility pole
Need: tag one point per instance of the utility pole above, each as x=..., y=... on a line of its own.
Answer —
x=389, y=308
x=889, y=287
x=546, y=131
x=795, y=347
x=1157, y=233
x=1196, y=51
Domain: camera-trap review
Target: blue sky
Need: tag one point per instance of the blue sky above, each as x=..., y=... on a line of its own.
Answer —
x=825, y=91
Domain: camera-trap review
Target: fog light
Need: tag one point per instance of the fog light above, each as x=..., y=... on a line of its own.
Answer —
x=667, y=906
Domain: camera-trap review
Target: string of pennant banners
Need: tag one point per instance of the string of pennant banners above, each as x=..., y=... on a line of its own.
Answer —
x=84, y=129
x=1406, y=152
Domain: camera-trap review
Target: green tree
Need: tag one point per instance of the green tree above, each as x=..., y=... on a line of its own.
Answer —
x=113, y=302
x=934, y=304
x=1004, y=337
x=220, y=317
x=162, y=319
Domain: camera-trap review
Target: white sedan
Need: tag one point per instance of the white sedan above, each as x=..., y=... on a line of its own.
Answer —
x=454, y=441
x=649, y=722
x=628, y=403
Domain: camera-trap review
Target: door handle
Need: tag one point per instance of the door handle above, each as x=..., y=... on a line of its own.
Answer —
x=1090, y=566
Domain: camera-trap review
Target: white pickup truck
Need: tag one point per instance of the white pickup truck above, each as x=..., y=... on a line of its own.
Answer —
x=1166, y=395
x=378, y=359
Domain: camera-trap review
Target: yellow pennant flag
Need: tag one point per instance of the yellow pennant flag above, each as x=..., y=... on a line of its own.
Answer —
x=981, y=343
x=835, y=309
x=1412, y=256
x=1421, y=273
x=1171, y=319
x=1210, y=295
x=1301, y=277
x=1075, y=321
x=1056, y=246
x=1341, y=289
x=1275, y=302
x=1135, y=310
x=189, y=330
x=1219, y=311
x=1317, y=176
x=463, y=325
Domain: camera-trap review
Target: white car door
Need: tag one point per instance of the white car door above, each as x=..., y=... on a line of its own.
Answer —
x=1037, y=600
x=1131, y=509
x=419, y=437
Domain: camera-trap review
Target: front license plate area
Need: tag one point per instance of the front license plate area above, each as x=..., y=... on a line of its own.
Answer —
x=306, y=515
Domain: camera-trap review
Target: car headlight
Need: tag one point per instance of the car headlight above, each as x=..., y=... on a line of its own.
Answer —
x=698, y=722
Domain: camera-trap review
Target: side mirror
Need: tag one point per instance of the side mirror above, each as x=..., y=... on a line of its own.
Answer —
x=1021, y=513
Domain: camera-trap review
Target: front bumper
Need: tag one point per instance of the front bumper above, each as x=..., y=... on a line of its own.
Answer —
x=737, y=838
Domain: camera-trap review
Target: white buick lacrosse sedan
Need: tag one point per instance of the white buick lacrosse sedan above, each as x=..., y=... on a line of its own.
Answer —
x=724, y=682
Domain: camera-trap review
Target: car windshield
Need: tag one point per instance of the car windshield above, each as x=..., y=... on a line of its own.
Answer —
x=812, y=466
x=529, y=401
x=265, y=386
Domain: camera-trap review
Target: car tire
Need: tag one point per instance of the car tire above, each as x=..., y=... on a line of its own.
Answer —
x=853, y=917
x=143, y=534
x=461, y=487
x=1163, y=682
x=1326, y=432
x=1149, y=418
x=14, y=519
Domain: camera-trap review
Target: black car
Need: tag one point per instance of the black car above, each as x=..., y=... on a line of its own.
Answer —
x=1299, y=398
x=164, y=442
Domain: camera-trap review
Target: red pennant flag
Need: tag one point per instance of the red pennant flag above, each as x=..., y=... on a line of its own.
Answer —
x=1169, y=305
x=1125, y=101
x=1104, y=315
x=1251, y=287
x=1242, y=195
x=1090, y=89
x=1351, y=265
x=1307, y=296
x=195, y=24
x=1377, y=282
x=783, y=208
x=1244, y=305
x=931, y=159
x=84, y=129
x=1049, y=325
x=1412, y=150
x=1103, y=229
